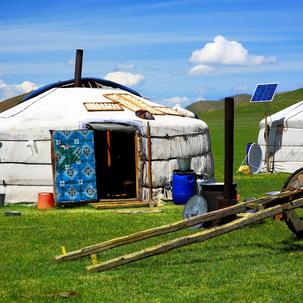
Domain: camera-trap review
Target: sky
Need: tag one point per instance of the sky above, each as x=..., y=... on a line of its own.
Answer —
x=171, y=51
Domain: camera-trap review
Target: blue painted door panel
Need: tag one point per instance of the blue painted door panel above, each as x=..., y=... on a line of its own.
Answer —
x=75, y=165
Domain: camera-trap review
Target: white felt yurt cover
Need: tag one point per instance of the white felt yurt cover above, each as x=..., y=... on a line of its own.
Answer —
x=285, y=139
x=25, y=150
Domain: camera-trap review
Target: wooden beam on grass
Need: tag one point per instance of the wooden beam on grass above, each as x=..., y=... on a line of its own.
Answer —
x=109, y=205
x=149, y=233
x=194, y=238
x=165, y=229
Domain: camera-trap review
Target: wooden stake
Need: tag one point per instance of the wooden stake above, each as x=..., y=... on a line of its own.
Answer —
x=149, y=157
x=94, y=259
x=63, y=250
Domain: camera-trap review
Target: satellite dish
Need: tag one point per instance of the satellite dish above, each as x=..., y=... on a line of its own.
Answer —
x=195, y=206
x=254, y=157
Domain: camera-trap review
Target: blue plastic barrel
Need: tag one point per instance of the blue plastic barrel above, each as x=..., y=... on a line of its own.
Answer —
x=247, y=150
x=184, y=186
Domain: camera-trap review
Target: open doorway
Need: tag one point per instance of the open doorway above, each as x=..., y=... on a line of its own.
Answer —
x=115, y=164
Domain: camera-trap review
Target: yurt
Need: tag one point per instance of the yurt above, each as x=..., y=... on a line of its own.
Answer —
x=98, y=141
x=285, y=139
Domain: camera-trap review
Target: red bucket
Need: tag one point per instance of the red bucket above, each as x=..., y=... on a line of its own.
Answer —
x=46, y=200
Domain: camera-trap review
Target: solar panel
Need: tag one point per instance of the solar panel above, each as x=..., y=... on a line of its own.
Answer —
x=264, y=92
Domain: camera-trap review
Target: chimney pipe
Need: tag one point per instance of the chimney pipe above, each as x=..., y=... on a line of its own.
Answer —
x=78, y=67
x=229, y=148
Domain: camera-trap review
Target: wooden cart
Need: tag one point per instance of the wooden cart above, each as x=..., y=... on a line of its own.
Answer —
x=285, y=203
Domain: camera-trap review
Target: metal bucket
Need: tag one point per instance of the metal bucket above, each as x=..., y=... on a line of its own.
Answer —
x=214, y=193
x=184, y=164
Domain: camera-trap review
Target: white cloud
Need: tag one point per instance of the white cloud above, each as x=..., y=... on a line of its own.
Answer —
x=241, y=89
x=26, y=87
x=175, y=100
x=124, y=66
x=10, y=90
x=226, y=52
x=125, y=78
x=200, y=69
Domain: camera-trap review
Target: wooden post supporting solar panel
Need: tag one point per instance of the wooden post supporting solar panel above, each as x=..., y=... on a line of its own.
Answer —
x=265, y=93
x=266, y=142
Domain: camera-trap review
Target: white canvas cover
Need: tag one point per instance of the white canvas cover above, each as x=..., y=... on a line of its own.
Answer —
x=285, y=139
x=25, y=152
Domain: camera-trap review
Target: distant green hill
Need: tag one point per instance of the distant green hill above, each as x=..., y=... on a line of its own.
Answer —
x=9, y=103
x=211, y=105
x=280, y=101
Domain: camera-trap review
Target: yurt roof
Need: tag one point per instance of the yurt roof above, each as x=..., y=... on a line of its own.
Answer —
x=85, y=82
x=291, y=116
x=63, y=107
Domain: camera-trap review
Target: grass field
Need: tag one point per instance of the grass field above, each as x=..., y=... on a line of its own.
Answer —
x=260, y=263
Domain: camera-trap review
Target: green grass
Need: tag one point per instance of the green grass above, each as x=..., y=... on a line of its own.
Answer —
x=260, y=263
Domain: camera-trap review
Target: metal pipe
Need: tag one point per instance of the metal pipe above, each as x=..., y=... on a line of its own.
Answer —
x=78, y=67
x=229, y=148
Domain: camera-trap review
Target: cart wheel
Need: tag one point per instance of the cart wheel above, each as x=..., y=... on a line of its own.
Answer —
x=293, y=221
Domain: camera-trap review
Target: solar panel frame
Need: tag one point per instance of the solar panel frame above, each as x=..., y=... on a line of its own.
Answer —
x=264, y=92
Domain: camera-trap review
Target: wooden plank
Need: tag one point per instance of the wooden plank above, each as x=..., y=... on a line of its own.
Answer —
x=193, y=238
x=119, y=205
x=169, y=111
x=153, y=232
x=165, y=229
x=182, y=241
x=133, y=103
x=102, y=106
x=141, y=104
x=118, y=201
x=143, y=211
